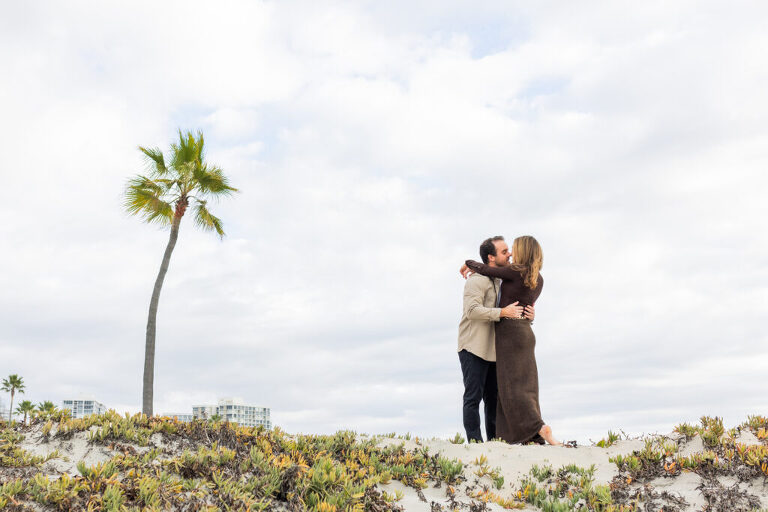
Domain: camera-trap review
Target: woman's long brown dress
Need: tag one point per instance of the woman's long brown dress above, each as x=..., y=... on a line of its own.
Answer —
x=518, y=416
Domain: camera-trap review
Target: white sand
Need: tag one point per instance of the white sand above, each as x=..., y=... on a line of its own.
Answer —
x=688, y=448
x=748, y=438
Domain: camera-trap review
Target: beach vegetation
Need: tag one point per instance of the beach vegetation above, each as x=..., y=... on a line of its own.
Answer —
x=457, y=439
x=497, y=478
x=201, y=465
x=722, y=456
x=541, y=473
x=113, y=498
x=712, y=430
x=12, y=455
x=568, y=488
x=162, y=197
x=494, y=474
x=396, y=496
x=755, y=423
x=687, y=430
x=450, y=469
x=668, y=447
x=222, y=465
x=46, y=430
x=485, y=495
x=608, y=441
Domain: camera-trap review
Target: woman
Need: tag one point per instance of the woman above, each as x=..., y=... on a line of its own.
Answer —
x=518, y=416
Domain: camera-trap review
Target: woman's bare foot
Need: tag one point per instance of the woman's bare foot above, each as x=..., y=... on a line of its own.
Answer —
x=546, y=433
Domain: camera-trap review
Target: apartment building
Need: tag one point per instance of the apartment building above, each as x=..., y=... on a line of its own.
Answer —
x=204, y=412
x=236, y=411
x=185, y=417
x=83, y=407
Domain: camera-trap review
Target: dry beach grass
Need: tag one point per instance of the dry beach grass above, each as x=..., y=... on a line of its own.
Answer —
x=114, y=462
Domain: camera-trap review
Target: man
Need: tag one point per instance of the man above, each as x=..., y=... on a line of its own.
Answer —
x=477, y=350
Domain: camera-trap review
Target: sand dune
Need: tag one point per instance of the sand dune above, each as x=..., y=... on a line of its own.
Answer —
x=515, y=463
x=110, y=462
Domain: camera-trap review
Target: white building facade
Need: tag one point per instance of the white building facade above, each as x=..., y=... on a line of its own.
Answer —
x=204, y=412
x=83, y=407
x=234, y=410
x=185, y=417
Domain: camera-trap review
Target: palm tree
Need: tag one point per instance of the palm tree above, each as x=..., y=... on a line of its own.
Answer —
x=13, y=384
x=163, y=197
x=25, y=407
x=46, y=406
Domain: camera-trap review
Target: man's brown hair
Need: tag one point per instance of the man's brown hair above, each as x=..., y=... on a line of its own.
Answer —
x=488, y=248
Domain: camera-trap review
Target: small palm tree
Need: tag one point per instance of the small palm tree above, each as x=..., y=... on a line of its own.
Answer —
x=46, y=406
x=24, y=408
x=13, y=384
x=216, y=418
x=163, y=198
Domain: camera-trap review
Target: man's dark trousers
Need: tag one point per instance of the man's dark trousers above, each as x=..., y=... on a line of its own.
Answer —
x=479, y=384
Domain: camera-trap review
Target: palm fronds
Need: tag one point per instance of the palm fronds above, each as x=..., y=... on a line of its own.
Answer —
x=144, y=197
x=13, y=383
x=212, y=180
x=205, y=220
x=155, y=160
x=25, y=407
x=46, y=406
x=187, y=151
x=154, y=196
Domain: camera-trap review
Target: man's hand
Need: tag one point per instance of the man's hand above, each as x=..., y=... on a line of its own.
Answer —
x=530, y=312
x=512, y=311
x=465, y=271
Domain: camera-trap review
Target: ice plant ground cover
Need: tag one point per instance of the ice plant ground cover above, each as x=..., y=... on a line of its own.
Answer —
x=113, y=462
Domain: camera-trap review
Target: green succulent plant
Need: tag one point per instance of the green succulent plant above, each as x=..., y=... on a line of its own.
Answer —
x=608, y=441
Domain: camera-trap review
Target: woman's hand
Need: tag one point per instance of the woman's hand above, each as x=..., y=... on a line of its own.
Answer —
x=465, y=271
x=530, y=312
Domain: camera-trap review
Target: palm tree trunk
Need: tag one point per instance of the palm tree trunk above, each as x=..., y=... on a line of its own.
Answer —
x=149, y=350
x=10, y=410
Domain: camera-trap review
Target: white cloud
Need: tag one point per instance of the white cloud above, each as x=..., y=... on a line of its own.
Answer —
x=375, y=147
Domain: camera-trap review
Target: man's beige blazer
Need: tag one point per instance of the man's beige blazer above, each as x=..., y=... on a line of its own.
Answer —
x=480, y=314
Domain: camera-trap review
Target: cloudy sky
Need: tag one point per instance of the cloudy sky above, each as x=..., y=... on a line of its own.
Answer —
x=376, y=144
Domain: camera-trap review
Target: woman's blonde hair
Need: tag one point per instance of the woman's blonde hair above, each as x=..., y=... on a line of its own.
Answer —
x=528, y=258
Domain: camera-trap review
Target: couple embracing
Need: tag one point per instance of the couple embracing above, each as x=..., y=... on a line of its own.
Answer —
x=496, y=342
